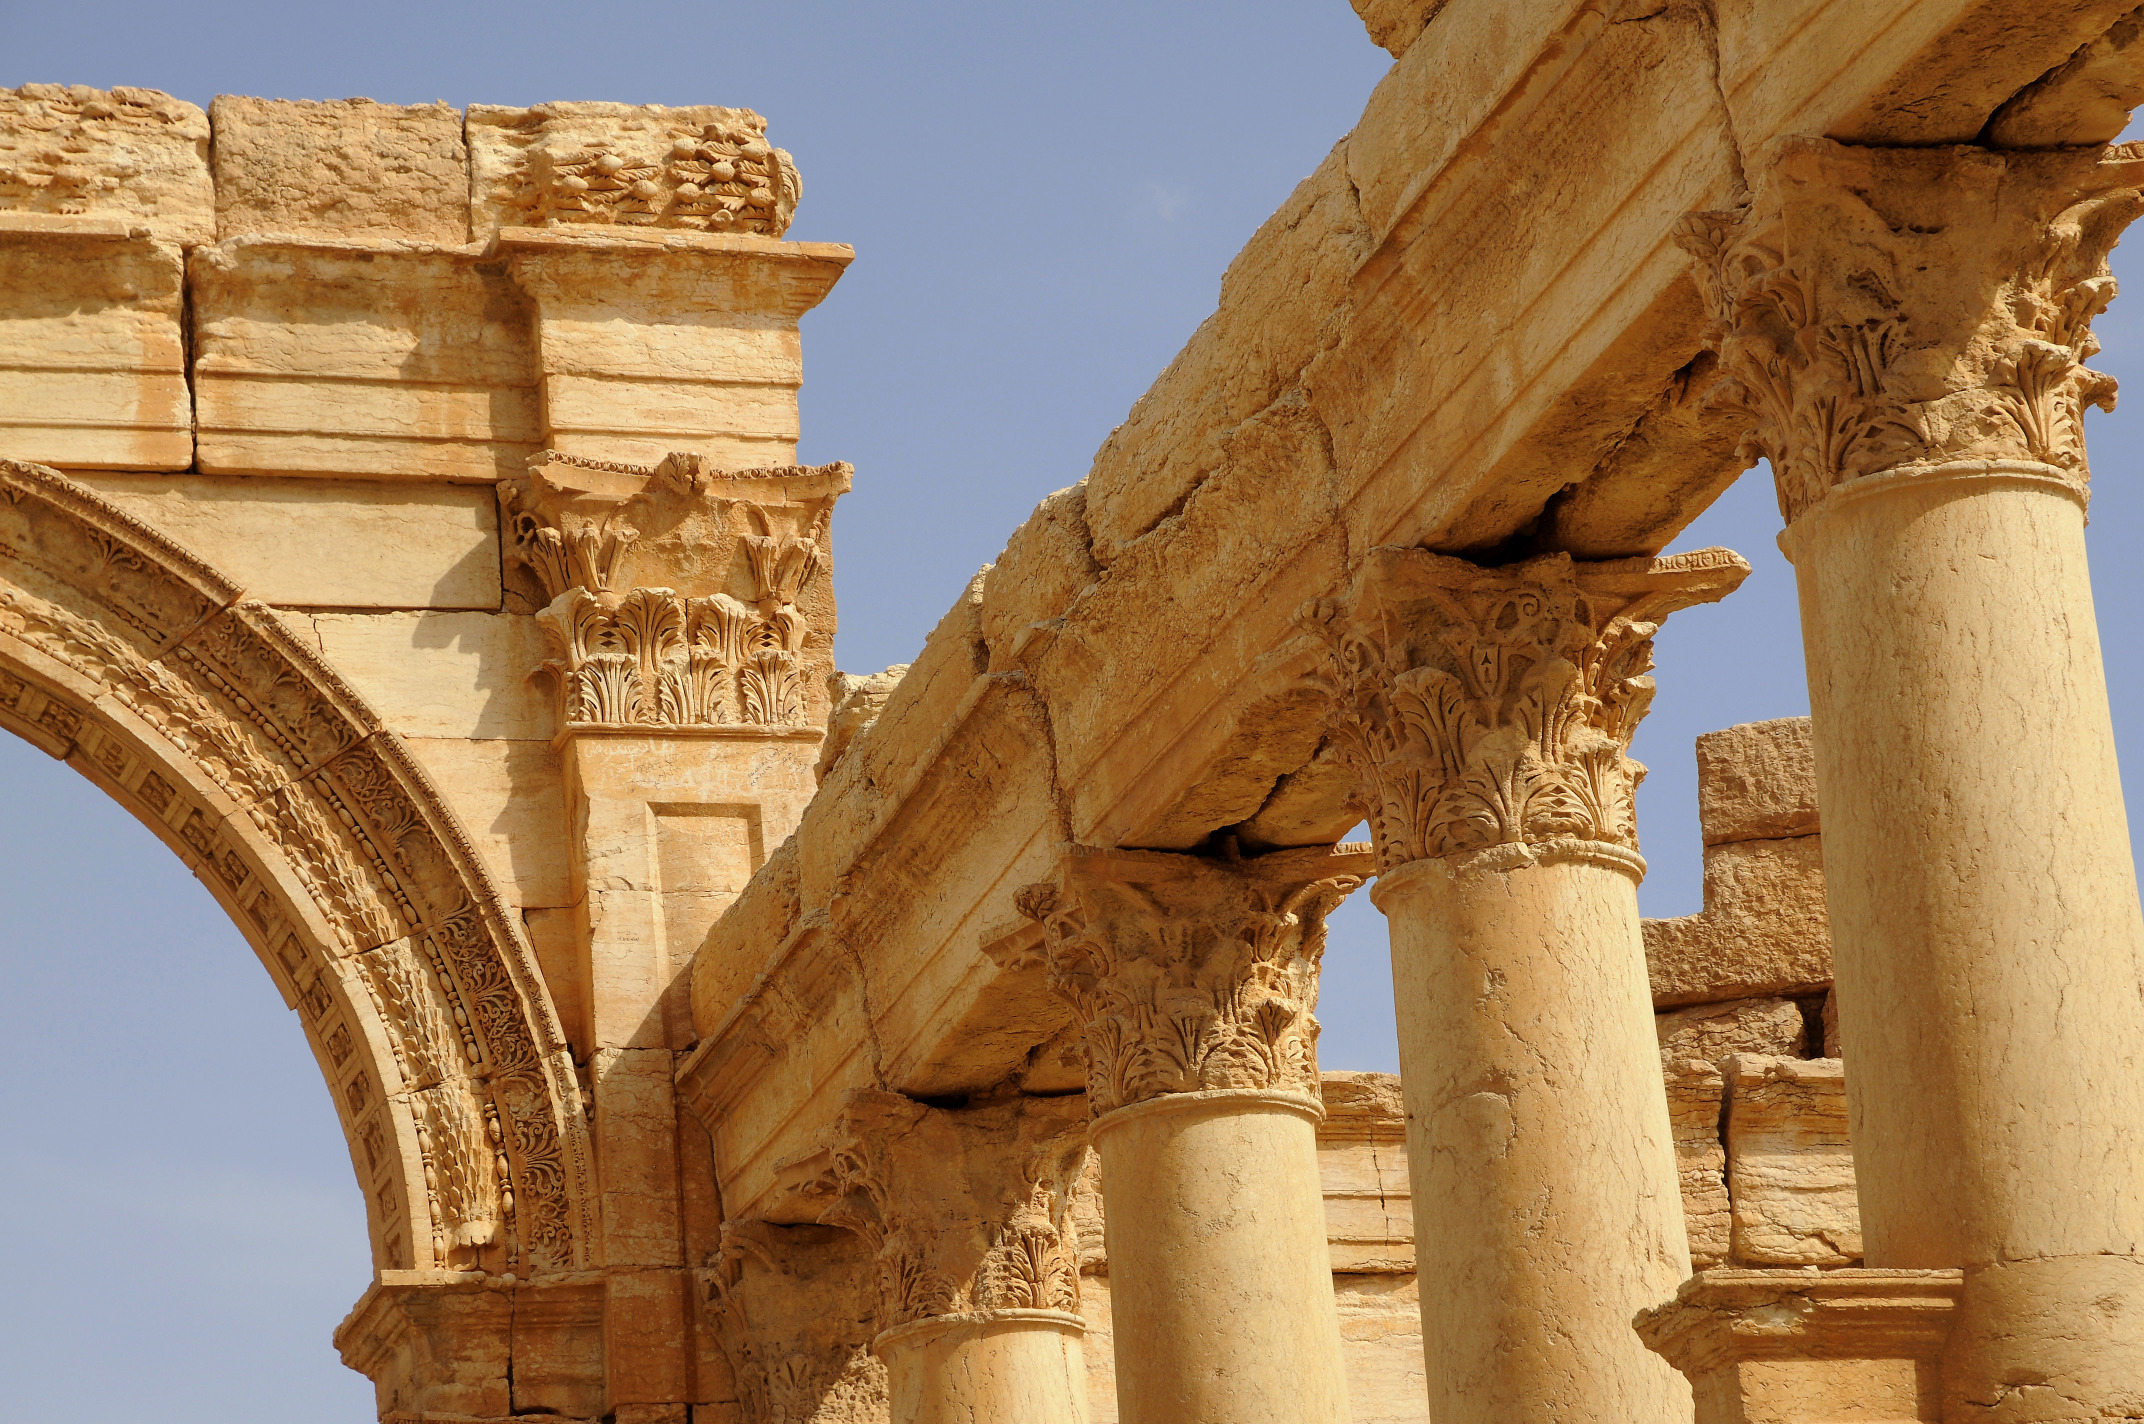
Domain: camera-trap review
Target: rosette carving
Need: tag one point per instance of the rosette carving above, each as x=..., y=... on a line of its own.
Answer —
x=1490, y=706
x=966, y=1210
x=1191, y=974
x=1878, y=308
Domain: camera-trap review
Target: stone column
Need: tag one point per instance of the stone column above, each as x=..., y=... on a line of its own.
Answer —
x=1487, y=713
x=1194, y=980
x=978, y=1268
x=1904, y=332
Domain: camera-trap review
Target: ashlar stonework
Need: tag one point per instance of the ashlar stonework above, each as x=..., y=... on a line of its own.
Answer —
x=401, y=515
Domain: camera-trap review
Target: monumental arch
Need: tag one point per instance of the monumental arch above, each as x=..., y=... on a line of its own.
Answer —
x=722, y=1036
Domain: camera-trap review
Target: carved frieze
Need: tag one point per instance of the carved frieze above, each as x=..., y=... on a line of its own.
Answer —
x=678, y=595
x=1877, y=308
x=966, y=1209
x=1190, y=973
x=704, y=169
x=1490, y=706
x=68, y=150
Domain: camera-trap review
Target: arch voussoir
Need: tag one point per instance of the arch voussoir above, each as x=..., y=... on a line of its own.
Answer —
x=308, y=820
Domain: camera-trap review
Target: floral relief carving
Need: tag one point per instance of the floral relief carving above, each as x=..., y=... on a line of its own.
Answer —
x=1854, y=339
x=390, y=876
x=1190, y=974
x=722, y=639
x=1481, y=707
x=722, y=176
x=966, y=1210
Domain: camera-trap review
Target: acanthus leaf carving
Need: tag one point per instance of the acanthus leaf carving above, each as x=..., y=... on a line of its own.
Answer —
x=1854, y=338
x=1190, y=974
x=1481, y=707
x=967, y=1210
x=722, y=640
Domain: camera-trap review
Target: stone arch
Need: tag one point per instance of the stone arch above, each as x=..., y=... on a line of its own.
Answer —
x=151, y=674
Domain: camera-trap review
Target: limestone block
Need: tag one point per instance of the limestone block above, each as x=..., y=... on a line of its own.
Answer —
x=439, y=674
x=1381, y=1340
x=346, y=167
x=375, y=546
x=510, y=797
x=1764, y=929
x=555, y=935
x=647, y=1345
x=136, y=155
x=1362, y=1164
x=1709, y=1032
x=1695, y=1093
x=367, y=359
x=1045, y=566
x=655, y=342
x=1757, y=781
x=2085, y=100
x=1790, y=1168
x=636, y=1133
x=92, y=354
x=700, y=167
x=1394, y=24
x=856, y=699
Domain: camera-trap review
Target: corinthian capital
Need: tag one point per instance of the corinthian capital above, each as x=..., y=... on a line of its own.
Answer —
x=1190, y=973
x=1495, y=706
x=1877, y=308
x=966, y=1208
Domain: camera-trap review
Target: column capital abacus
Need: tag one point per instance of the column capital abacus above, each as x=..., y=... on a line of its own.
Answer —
x=1189, y=973
x=966, y=1209
x=1494, y=707
x=1885, y=308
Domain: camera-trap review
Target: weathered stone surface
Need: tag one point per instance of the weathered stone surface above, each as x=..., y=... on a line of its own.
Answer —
x=1395, y=24
x=92, y=354
x=368, y=546
x=369, y=360
x=857, y=699
x=1790, y=1168
x=1709, y=1032
x=440, y=674
x=343, y=168
x=1362, y=1160
x=1757, y=781
x=700, y=167
x=1764, y=929
x=135, y=155
x=510, y=796
x=1695, y=1093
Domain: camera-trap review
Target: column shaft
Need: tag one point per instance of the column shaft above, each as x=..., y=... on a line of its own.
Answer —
x=1986, y=934
x=1538, y=1144
x=1000, y=1367
x=1488, y=713
x=1220, y=1275
x=1906, y=330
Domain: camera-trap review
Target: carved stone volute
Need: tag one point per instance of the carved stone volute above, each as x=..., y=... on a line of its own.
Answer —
x=1189, y=973
x=1482, y=707
x=679, y=595
x=1884, y=308
x=967, y=1209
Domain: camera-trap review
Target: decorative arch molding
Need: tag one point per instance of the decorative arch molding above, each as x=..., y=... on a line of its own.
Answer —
x=151, y=674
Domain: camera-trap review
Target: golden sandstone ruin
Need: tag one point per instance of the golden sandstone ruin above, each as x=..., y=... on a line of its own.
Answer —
x=400, y=518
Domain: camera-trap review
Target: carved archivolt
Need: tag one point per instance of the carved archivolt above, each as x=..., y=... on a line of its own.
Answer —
x=966, y=1209
x=335, y=856
x=1856, y=334
x=1491, y=706
x=727, y=645
x=1191, y=974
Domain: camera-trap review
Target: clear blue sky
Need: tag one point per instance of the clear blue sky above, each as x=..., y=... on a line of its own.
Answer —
x=1042, y=199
